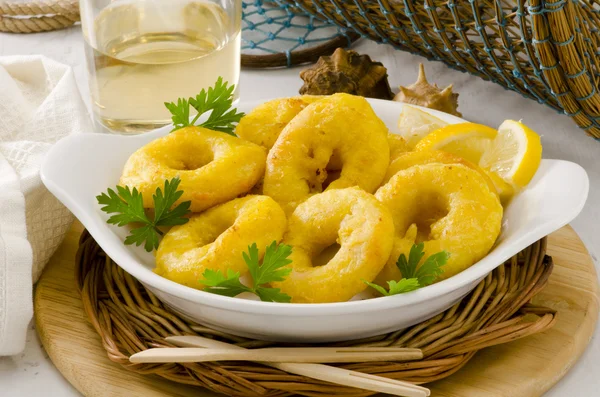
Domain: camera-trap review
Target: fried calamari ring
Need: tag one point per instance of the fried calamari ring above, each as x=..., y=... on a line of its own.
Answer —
x=397, y=145
x=447, y=207
x=356, y=221
x=341, y=127
x=216, y=239
x=409, y=159
x=265, y=122
x=213, y=167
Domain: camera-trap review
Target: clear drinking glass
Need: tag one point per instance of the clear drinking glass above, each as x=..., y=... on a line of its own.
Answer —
x=142, y=53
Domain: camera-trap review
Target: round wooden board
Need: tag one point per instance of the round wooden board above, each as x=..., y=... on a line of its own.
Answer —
x=525, y=368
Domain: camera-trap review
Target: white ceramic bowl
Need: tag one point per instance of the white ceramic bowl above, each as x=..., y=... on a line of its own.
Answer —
x=82, y=166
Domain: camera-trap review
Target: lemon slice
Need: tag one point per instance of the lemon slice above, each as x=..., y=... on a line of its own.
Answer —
x=515, y=153
x=467, y=140
x=414, y=124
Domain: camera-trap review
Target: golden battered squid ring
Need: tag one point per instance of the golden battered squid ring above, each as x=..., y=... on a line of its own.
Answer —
x=410, y=159
x=265, y=122
x=216, y=239
x=356, y=221
x=213, y=167
x=447, y=207
x=341, y=129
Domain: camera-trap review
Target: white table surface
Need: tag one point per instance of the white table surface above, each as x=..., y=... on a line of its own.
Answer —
x=32, y=373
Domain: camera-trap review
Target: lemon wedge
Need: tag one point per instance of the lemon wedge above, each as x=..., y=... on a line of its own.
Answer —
x=515, y=154
x=505, y=190
x=414, y=124
x=467, y=140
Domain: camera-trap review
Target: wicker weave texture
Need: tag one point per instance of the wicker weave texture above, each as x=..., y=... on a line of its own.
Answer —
x=545, y=50
x=129, y=319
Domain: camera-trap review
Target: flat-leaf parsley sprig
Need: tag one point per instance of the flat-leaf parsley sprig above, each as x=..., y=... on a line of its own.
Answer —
x=128, y=208
x=414, y=278
x=273, y=268
x=218, y=100
x=429, y=271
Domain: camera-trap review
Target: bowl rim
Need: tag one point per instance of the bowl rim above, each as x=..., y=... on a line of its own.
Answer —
x=154, y=282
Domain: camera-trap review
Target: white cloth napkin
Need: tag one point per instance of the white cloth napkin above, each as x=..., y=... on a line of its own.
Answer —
x=39, y=104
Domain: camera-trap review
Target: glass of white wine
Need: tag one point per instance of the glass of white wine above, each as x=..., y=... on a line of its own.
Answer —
x=142, y=53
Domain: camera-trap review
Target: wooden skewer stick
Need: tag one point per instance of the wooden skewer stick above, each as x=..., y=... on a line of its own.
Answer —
x=319, y=371
x=276, y=355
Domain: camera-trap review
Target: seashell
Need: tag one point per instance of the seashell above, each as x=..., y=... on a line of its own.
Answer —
x=348, y=72
x=429, y=95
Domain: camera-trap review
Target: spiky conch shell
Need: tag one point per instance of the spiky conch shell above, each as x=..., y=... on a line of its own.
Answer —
x=348, y=72
x=429, y=95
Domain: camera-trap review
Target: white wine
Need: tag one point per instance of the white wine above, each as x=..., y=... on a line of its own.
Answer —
x=141, y=54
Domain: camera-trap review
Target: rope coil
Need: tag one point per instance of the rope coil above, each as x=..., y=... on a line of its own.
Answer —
x=38, y=16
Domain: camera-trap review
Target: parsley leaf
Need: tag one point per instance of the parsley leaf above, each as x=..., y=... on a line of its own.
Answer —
x=404, y=285
x=163, y=214
x=218, y=100
x=218, y=284
x=143, y=235
x=431, y=269
x=128, y=208
x=127, y=205
x=412, y=278
x=180, y=112
x=272, y=295
x=409, y=268
x=377, y=287
x=396, y=287
x=271, y=269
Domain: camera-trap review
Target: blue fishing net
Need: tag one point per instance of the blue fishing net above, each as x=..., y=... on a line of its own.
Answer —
x=271, y=27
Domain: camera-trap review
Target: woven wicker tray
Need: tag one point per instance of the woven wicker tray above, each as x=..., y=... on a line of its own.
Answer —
x=129, y=319
x=527, y=367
